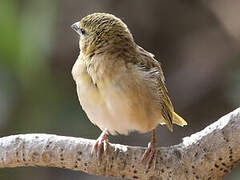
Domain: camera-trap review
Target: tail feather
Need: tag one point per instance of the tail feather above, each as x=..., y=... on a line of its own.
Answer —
x=178, y=120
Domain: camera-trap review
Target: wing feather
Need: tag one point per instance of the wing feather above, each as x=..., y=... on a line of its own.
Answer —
x=147, y=60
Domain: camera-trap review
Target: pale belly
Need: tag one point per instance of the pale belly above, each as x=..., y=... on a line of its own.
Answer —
x=117, y=106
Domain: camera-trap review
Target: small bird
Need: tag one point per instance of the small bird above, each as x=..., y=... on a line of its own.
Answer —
x=120, y=86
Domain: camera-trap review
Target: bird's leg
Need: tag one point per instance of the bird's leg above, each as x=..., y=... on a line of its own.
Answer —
x=150, y=152
x=103, y=138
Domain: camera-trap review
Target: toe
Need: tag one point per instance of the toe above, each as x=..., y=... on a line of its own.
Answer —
x=152, y=154
x=95, y=147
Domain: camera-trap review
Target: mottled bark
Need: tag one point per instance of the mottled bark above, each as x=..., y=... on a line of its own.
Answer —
x=208, y=154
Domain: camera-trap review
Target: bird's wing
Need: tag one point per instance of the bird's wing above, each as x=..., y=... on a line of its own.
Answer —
x=147, y=60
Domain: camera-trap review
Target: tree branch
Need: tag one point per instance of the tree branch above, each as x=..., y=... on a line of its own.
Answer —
x=208, y=154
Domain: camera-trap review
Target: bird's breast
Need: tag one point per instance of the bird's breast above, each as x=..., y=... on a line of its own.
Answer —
x=115, y=96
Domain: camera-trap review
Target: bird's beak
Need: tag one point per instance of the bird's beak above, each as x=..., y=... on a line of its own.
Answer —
x=76, y=27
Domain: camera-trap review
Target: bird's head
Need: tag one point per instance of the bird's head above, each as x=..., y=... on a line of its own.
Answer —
x=99, y=30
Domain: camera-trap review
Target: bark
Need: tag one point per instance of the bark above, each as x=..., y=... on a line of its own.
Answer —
x=208, y=154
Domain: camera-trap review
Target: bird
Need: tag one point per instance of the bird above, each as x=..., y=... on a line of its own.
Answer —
x=120, y=86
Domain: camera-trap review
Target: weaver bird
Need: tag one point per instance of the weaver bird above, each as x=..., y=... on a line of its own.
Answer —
x=120, y=85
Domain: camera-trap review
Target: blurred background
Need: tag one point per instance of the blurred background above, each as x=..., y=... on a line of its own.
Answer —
x=197, y=42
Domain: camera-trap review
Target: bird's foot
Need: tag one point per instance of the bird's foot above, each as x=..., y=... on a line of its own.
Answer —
x=100, y=143
x=150, y=152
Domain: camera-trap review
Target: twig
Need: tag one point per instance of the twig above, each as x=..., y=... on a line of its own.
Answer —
x=208, y=154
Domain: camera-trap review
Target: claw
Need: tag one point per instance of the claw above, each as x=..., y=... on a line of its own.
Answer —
x=99, y=144
x=150, y=152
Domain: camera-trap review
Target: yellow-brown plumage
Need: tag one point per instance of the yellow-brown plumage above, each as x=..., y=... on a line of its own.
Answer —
x=120, y=86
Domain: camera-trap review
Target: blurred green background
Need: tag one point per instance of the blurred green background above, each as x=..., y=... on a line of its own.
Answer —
x=197, y=42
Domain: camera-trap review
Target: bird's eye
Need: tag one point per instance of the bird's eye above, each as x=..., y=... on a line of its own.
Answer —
x=83, y=31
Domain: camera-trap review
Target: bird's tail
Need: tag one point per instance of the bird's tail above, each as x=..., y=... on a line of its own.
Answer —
x=178, y=120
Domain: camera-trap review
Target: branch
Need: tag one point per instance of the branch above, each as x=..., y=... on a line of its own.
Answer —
x=208, y=154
